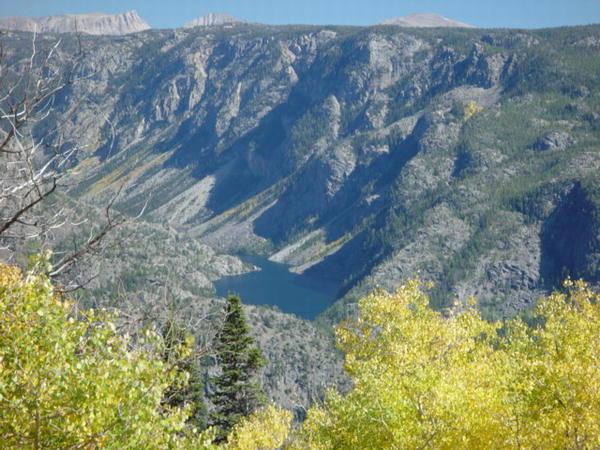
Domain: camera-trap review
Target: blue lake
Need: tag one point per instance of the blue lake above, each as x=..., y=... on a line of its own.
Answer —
x=275, y=285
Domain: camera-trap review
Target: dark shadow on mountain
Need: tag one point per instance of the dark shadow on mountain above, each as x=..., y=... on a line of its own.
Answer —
x=339, y=220
x=570, y=241
x=264, y=143
x=462, y=164
x=194, y=145
x=351, y=258
x=306, y=198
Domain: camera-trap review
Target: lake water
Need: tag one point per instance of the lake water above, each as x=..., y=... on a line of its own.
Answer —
x=275, y=285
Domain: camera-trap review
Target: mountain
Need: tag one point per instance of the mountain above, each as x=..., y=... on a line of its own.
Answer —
x=364, y=156
x=212, y=19
x=425, y=21
x=96, y=24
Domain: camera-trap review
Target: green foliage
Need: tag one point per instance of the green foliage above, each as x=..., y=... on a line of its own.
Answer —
x=236, y=391
x=187, y=389
x=306, y=132
x=67, y=379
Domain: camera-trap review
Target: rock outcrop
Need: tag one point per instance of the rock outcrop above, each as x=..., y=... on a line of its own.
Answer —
x=556, y=140
x=212, y=19
x=97, y=24
x=425, y=20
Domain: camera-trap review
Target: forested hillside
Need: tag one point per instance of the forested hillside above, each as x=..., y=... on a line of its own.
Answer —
x=362, y=155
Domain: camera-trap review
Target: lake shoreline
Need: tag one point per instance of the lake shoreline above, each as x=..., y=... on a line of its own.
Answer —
x=274, y=284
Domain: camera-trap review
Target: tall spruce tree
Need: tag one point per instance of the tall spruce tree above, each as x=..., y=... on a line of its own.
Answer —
x=236, y=392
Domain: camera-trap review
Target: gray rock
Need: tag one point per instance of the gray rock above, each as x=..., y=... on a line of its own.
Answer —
x=425, y=21
x=97, y=24
x=212, y=19
x=556, y=140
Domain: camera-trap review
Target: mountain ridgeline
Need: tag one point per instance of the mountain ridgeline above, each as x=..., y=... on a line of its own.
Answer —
x=364, y=156
x=95, y=23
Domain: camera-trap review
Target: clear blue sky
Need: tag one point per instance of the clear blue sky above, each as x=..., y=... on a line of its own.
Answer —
x=482, y=13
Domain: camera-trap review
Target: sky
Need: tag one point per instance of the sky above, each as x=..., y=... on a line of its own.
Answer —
x=174, y=13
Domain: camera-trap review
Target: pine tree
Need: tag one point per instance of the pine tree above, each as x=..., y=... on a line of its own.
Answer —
x=236, y=391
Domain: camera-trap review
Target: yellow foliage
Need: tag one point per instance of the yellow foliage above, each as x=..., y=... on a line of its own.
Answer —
x=421, y=379
x=425, y=380
x=266, y=429
x=71, y=381
x=470, y=109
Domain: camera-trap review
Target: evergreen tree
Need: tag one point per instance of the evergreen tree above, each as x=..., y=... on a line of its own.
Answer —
x=236, y=391
x=188, y=386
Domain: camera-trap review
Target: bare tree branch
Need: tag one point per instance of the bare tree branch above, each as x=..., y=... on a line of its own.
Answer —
x=34, y=156
x=17, y=214
x=93, y=242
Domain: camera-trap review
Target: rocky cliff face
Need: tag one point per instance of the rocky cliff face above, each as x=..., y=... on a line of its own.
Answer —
x=362, y=155
x=97, y=24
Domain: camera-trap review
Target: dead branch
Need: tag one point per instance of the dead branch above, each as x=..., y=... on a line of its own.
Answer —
x=33, y=168
x=93, y=242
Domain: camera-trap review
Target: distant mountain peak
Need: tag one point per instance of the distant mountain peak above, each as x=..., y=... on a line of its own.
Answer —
x=213, y=19
x=425, y=20
x=94, y=23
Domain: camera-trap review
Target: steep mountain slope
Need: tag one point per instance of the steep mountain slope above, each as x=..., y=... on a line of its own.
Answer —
x=98, y=23
x=362, y=155
x=426, y=20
